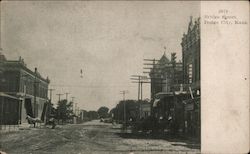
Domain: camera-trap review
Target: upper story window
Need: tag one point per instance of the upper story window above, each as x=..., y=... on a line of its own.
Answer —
x=190, y=73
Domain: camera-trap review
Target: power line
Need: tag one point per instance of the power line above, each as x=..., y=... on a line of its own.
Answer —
x=124, y=92
x=140, y=80
x=85, y=86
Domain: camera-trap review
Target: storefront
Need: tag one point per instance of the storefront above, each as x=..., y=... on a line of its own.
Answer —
x=169, y=107
x=192, y=117
x=10, y=110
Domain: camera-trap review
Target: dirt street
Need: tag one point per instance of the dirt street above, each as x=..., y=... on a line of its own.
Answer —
x=91, y=137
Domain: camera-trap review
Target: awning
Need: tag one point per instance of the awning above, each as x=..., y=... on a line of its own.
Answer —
x=180, y=92
x=156, y=102
x=164, y=94
x=7, y=96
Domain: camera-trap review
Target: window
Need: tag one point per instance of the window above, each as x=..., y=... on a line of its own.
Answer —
x=190, y=73
x=196, y=70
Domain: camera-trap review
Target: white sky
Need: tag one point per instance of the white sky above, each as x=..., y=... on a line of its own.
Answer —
x=108, y=40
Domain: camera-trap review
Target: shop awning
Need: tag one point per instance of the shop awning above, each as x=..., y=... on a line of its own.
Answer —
x=180, y=92
x=163, y=94
x=156, y=102
x=7, y=96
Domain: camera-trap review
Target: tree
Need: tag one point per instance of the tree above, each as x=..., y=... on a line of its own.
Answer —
x=103, y=112
x=131, y=110
x=92, y=115
x=64, y=110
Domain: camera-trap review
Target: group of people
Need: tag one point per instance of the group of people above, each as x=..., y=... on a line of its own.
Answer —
x=34, y=121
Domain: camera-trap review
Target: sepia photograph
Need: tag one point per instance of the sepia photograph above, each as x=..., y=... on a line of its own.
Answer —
x=83, y=77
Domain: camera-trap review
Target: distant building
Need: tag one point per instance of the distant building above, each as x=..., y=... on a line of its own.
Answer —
x=28, y=86
x=165, y=76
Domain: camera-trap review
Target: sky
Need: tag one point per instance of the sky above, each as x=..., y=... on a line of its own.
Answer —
x=108, y=40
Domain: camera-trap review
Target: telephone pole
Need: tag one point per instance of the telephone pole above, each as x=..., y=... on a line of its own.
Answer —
x=59, y=97
x=140, y=80
x=50, y=93
x=35, y=93
x=76, y=109
x=124, y=92
x=67, y=96
x=72, y=99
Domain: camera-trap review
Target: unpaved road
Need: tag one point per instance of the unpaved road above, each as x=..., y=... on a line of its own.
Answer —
x=91, y=137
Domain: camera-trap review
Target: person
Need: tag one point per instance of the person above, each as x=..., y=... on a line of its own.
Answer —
x=52, y=122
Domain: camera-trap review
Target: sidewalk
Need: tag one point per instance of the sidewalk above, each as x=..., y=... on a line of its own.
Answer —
x=12, y=128
x=8, y=128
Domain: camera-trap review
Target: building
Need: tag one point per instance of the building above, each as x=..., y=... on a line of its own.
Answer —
x=191, y=76
x=9, y=109
x=166, y=78
x=191, y=55
x=29, y=86
x=165, y=75
x=145, y=109
x=175, y=86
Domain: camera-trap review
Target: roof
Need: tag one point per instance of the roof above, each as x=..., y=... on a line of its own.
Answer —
x=164, y=59
x=20, y=65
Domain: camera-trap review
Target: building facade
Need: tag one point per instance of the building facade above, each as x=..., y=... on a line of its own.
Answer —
x=175, y=86
x=165, y=75
x=191, y=55
x=191, y=76
x=29, y=86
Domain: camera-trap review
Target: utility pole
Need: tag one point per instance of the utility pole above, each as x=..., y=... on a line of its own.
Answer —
x=59, y=97
x=141, y=90
x=72, y=99
x=35, y=92
x=124, y=92
x=140, y=80
x=67, y=96
x=50, y=102
x=50, y=93
x=76, y=108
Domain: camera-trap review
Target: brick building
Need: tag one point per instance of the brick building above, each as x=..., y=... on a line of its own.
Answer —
x=191, y=55
x=28, y=86
x=165, y=75
x=166, y=78
x=191, y=76
x=175, y=86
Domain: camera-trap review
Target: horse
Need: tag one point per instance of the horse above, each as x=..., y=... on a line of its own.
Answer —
x=34, y=120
